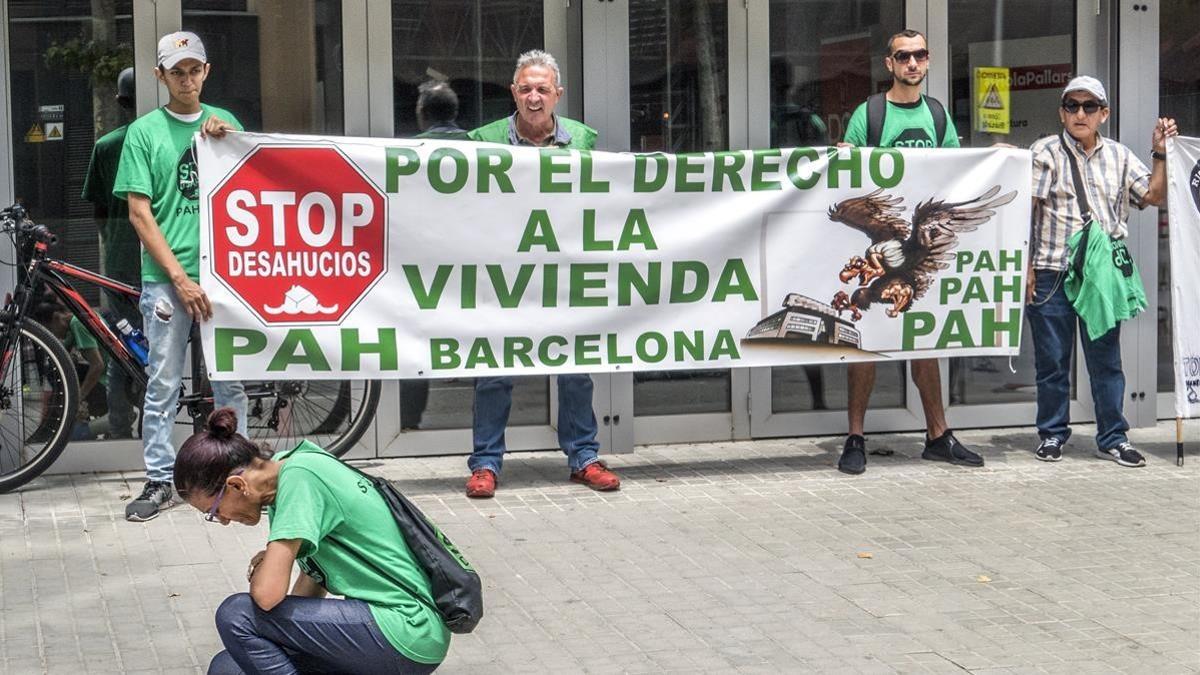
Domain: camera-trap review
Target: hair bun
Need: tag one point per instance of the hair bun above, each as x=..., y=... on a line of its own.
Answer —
x=222, y=423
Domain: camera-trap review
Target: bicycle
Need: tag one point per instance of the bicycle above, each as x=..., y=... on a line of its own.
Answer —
x=39, y=387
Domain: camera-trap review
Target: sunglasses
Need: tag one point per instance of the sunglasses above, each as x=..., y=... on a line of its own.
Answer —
x=921, y=55
x=212, y=516
x=1089, y=107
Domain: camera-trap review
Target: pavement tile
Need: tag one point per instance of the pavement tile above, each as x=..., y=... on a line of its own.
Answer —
x=726, y=557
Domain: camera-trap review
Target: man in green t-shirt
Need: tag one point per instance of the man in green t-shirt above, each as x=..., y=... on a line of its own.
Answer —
x=157, y=176
x=910, y=120
x=121, y=247
x=536, y=90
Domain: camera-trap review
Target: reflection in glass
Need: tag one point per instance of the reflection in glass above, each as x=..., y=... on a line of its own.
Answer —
x=807, y=388
x=679, y=73
x=447, y=404
x=826, y=59
x=277, y=64
x=471, y=44
x=61, y=103
x=1034, y=40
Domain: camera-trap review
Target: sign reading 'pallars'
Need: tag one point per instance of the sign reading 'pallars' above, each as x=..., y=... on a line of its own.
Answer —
x=299, y=234
x=359, y=257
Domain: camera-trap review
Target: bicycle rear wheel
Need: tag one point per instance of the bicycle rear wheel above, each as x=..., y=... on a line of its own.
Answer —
x=334, y=414
x=39, y=398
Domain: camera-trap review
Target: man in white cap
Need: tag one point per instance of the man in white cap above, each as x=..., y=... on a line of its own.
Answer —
x=1113, y=179
x=157, y=177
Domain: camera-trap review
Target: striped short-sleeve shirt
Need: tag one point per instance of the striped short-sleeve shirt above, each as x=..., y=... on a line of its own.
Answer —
x=1113, y=177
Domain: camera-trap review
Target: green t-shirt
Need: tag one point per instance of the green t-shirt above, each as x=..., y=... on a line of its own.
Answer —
x=352, y=546
x=460, y=135
x=78, y=337
x=1110, y=290
x=906, y=125
x=80, y=340
x=122, y=248
x=158, y=161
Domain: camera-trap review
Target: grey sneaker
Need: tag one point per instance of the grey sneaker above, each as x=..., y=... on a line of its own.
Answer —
x=1124, y=454
x=1050, y=449
x=156, y=496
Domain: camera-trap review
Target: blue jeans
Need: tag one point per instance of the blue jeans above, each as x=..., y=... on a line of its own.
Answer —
x=1053, y=322
x=168, y=338
x=576, y=422
x=305, y=635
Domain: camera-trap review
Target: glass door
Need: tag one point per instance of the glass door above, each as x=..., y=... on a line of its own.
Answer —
x=1036, y=42
x=63, y=62
x=471, y=46
x=825, y=58
x=679, y=102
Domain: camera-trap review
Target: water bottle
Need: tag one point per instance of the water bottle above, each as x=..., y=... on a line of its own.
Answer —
x=135, y=340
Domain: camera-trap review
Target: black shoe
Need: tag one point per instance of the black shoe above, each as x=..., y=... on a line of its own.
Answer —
x=156, y=496
x=854, y=455
x=946, y=448
x=1050, y=449
x=1123, y=454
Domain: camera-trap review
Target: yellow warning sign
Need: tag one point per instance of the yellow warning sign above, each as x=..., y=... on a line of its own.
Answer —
x=54, y=131
x=992, y=111
x=35, y=135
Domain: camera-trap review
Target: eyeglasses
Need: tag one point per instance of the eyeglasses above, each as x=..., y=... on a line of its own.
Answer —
x=921, y=55
x=212, y=516
x=1089, y=107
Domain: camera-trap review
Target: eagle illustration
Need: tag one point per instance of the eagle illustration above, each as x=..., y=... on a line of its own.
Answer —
x=899, y=265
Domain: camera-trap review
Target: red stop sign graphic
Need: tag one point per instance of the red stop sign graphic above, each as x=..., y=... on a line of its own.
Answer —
x=299, y=234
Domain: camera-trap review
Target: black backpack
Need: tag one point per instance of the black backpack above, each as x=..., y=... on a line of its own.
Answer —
x=456, y=588
x=877, y=110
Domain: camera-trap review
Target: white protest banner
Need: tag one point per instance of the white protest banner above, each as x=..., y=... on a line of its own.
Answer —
x=1183, y=207
x=369, y=258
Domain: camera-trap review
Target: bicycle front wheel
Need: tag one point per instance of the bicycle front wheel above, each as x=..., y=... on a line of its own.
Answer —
x=334, y=414
x=39, y=398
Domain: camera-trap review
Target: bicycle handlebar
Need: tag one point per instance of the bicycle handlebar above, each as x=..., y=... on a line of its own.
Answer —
x=16, y=218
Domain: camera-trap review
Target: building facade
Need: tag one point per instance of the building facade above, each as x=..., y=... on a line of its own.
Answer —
x=669, y=75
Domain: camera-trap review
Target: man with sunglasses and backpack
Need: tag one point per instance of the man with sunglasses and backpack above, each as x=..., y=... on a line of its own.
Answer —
x=902, y=117
x=1112, y=178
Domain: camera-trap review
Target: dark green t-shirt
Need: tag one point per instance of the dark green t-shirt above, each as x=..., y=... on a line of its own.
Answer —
x=1110, y=290
x=80, y=340
x=906, y=125
x=352, y=546
x=122, y=248
x=158, y=161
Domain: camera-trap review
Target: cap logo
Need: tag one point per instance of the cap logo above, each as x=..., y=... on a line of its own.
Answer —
x=181, y=42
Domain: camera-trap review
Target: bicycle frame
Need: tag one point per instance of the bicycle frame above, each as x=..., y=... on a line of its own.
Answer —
x=51, y=272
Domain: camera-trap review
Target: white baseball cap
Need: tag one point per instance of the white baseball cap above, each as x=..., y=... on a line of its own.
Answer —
x=180, y=45
x=1089, y=84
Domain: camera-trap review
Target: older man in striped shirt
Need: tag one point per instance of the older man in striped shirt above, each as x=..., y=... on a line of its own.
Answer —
x=1113, y=179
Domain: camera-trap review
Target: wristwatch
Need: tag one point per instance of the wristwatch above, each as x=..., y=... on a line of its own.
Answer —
x=1154, y=154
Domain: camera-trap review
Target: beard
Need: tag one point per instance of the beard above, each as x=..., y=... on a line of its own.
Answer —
x=911, y=80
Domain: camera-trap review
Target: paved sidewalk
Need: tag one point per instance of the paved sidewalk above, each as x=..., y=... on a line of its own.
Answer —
x=726, y=557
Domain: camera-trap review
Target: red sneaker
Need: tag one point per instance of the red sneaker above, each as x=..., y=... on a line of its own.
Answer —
x=481, y=484
x=598, y=477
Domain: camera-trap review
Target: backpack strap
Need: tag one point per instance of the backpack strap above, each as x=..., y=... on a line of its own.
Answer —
x=938, y=111
x=876, y=111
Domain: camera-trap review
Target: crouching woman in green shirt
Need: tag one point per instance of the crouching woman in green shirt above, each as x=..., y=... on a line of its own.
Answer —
x=332, y=523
